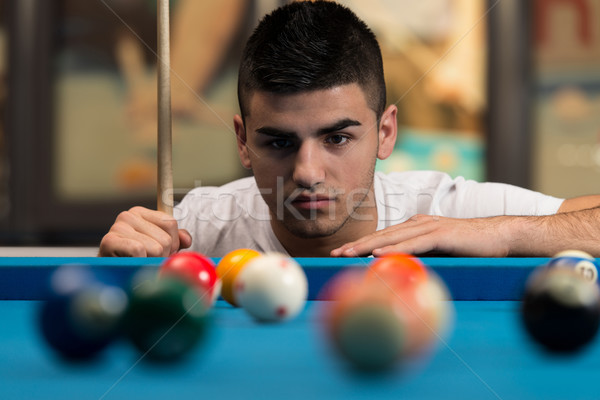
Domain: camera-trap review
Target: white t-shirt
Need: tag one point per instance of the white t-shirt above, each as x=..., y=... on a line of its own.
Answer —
x=233, y=216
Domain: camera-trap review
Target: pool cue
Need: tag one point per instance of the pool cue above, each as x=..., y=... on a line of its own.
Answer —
x=164, y=145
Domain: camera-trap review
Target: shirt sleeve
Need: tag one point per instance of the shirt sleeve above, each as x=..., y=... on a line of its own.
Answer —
x=460, y=198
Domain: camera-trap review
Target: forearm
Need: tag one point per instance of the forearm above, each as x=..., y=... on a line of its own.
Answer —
x=547, y=235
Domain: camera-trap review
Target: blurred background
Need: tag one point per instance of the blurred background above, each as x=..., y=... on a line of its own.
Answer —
x=491, y=90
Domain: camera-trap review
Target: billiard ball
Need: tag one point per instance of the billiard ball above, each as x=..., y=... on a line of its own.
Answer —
x=370, y=336
x=229, y=267
x=398, y=271
x=82, y=315
x=271, y=287
x=197, y=270
x=410, y=317
x=166, y=319
x=580, y=261
x=337, y=293
x=561, y=310
x=430, y=314
x=422, y=295
x=364, y=323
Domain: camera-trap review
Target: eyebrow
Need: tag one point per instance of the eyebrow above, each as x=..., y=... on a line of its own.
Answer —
x=337, y=126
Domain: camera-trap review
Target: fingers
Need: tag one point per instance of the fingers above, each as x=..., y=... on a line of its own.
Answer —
x=141, y=232
x=397, y=238
x=418, y=245
x=185, y=239
x=115, y=245
x=482, y=237
x=156, y=230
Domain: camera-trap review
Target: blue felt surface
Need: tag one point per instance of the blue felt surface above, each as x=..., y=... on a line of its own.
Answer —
x=487, y=357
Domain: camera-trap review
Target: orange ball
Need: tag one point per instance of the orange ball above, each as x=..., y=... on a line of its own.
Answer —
x=393, y=314
x=398, y=271
x=422, y=299
x=228, y=269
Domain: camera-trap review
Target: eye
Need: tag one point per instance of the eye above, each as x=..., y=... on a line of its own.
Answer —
x=338, y=140
x=281, y=143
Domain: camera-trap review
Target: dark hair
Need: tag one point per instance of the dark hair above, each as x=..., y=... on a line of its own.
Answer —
x=309, y=46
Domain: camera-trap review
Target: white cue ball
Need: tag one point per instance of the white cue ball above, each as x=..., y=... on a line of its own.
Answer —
x=271, y=287
x=578, y=260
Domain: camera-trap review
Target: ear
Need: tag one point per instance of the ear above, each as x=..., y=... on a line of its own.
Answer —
x=388, y=130
x=240, y=133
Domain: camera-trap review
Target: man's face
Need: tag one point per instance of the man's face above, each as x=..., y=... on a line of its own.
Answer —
x=313, y=155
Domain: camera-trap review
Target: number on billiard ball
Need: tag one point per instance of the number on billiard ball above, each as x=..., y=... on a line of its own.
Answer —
x=579, y=261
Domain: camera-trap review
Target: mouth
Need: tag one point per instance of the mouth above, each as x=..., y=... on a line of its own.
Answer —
x=314, y=202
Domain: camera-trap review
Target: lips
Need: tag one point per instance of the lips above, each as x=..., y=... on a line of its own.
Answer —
x=312, y=202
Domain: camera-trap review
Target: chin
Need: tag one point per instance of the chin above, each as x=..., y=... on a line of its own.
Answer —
x=312, y=229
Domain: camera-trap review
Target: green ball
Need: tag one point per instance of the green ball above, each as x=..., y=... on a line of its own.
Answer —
x=166, y=319
x=371, y=337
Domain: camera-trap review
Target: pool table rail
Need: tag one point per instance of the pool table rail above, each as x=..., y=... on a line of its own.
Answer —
x=25, y=278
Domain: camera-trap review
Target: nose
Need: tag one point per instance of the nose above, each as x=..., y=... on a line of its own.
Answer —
x=308, y=167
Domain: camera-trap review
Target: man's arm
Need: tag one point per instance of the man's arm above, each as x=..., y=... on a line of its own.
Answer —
x=576, y=225
x=141, y=232
x=579, y=203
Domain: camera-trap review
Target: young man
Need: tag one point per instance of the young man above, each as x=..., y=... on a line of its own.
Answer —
x=313, y=122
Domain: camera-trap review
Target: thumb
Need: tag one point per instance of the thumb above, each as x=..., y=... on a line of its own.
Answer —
x=185, y=239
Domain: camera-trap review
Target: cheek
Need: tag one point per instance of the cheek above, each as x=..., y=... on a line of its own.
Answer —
x=266, y=175
x=263, y=165
x=359, y=177
x=358, y=162
x=269, y=167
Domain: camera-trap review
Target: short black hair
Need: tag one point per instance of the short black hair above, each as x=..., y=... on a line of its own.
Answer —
x=307, y=46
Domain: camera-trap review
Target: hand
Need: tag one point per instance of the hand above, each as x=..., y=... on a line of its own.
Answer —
x=427, y=234
x=141, y=232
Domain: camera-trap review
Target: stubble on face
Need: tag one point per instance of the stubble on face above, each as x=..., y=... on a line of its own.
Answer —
x=345, y=210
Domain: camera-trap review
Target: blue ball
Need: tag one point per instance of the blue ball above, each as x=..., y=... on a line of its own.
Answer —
x=580, y=261
x=82, y=315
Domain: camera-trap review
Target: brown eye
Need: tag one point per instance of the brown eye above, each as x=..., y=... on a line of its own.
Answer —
x=338, y=139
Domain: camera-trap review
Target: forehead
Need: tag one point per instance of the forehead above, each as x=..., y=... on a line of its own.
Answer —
x=310, y=108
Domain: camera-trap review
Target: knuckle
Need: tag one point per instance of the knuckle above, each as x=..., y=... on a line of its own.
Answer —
x=118, y=226
x=123, y=217
x=113, y=244
x=171, y=225
x=136, y=209
x=110, y=240
x=165, y=241
x=105, y=245
x=174, y=245
x=155, y=249
x=137, y=249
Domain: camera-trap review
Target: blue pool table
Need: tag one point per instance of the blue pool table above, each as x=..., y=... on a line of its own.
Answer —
x=487, y=356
